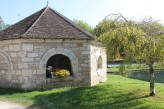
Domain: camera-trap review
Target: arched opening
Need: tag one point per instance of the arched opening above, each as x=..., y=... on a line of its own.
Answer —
x=5, y=69
x=99, y=63
x=59, y=61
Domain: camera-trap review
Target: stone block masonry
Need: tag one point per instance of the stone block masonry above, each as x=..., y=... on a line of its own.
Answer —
x=47, y=38
x=23, y=63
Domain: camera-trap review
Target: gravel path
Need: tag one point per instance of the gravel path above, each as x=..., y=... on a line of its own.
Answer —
x=8, y=105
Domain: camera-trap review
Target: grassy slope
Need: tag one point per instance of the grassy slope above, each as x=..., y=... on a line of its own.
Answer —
x=117, y=93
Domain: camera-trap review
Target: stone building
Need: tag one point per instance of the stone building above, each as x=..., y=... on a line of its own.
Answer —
x=47, y=38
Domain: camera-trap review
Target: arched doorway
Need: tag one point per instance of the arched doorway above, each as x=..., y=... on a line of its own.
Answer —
x=59, y=61
x=5, y=69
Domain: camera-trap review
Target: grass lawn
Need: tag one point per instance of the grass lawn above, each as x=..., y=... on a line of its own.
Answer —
x=117, y=93
x=141, y=73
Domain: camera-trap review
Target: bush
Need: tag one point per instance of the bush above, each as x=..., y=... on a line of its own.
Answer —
x=123, y=70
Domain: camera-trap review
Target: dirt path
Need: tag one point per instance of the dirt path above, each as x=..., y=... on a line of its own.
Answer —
x=8, y=105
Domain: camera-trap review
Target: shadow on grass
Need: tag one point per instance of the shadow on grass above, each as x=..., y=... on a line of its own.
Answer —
x=10, y=91
x=144, y=75
x=98, y=97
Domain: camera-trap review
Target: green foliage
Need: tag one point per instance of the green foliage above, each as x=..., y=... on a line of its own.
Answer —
x=153, y=48
x=120, y=38
x=117, y=93
x=84, y=25
x=2, y=24
x=124, y=70
x=103, y=27
x=132, y=41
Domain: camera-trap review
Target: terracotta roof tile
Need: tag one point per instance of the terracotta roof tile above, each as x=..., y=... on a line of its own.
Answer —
x=45, y=24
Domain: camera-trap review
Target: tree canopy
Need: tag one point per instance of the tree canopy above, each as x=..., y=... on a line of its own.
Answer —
x=119, y=37
x=124, y=39
x=133, y=41
x=84, y=25
x=2, y=24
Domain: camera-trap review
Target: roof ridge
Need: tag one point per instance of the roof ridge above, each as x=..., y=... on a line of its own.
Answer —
x=35, y=21
x=72, y=23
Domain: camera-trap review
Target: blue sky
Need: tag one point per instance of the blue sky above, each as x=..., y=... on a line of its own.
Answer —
x=91, y=11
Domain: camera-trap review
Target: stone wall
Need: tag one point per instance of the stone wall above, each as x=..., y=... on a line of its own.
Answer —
x=23, y=62
x=98, y=64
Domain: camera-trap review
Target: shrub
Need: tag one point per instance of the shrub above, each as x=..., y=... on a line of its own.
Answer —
x=124, y=70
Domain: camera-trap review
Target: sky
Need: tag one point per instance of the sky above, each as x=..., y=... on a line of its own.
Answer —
x=90, y=11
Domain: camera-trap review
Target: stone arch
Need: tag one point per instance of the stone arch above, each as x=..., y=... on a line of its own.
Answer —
x=8, y=58
x=6, y=68
x=51, y=52
x=58, y=61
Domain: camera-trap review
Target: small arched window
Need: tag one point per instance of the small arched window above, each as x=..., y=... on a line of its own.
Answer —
x=99, y=63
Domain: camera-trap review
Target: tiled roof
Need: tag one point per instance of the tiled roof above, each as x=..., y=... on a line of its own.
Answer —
x=45, y=24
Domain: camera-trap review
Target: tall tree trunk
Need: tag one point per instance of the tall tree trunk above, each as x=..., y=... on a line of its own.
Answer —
x=152, y=80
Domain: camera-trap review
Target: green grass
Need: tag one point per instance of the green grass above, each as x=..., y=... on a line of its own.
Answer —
x=130, y=67
x=117, y=93
x=133, y=67
x=140, y=72
x=113, y=69
x=144, y=75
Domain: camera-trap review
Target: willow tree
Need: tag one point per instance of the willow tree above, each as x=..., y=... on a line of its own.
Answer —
x=153, y=49
x=120, y=36
x=133, y=42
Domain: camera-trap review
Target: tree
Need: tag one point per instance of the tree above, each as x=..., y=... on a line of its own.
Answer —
x=103, y=27
x=153, y=49
x=84, y=25
x=119, y=36
x=133, y=41
x=2, y=24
